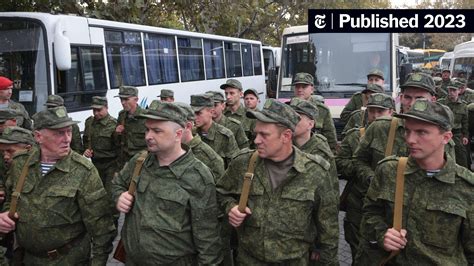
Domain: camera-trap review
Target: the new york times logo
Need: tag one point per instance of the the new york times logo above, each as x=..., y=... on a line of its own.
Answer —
x=391, y=20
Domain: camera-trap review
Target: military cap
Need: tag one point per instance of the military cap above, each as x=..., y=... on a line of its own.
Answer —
x=303, y=78
x=190, y=116
x=252, y=91
x=5, y=83
x=165, y=111
x=216, y=96
x=99, y=102
x=461, y=81
x=376, y=72
x=232, y=83
x=7, y=114
x=200, y=101
x=164, y=93
x=420, y=80
x=54, y=101
x=304, y=107
x=52, y=118
x=276, y=112
x=127, y=91
x=454, y=85
x=15, y=135
x=373, y=88
x=437, y=81
x=431, y=112
x=446, y=70
x=381, y=100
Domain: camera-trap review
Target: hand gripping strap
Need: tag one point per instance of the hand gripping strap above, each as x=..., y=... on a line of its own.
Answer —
x=248, y=177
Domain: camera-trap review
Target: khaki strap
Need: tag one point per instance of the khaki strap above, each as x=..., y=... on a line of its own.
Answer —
x=248, y=177
x=89, y=137
x=136, y=171
x=362, y=117
x=362, y=131
x=391, y=136
x=398, y=208
x=19, y=188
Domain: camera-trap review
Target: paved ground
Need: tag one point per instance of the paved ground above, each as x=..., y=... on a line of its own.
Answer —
x=345, y=258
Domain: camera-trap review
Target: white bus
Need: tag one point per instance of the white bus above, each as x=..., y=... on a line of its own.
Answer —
x=463, y=60
x=78, y=57
x=339, y=62
x=416, y=57
x=445, y=60
x=271, y=63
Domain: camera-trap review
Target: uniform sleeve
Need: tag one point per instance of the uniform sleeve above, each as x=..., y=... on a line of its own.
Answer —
x=85, y=137
x=465, y=123
x=344, y=160
x=230, y=149
x=363, y=155
x=121, y=181
x=229, y=186
x=468, y=234
x=95, y=206
x=329, y=131
x=241, y=138
x=348, y=109
x=76, y=142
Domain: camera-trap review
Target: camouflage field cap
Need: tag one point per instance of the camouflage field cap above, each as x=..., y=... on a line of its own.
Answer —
x=437, y=81
x=15, y=135
x=127, y=91
x=165, y=111
x=454, y=85
x=420, y=80
x=98, y=102
x=7, y=114
x=216, y=96
x=187, y=109
x=375, y=72
x=251, y=91
x=431, y=112
x=54, y=101
x=373, y=88
x=381, y=100
x=461, y=81
x=304, y=107
x=446, y=70
x=164, y=93
x=303, y=78
x=200, y=101
x=53, y=118
x=232, y=83
x=276, y=112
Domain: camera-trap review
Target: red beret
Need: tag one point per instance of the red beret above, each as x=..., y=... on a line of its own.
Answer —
x=5, y=83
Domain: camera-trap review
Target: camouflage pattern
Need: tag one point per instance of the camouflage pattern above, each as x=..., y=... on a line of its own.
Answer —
x=431, y=112
x=67, y=202
x=208, y=156
x=376, y=72
x=375, y=88
x=236, y=127
x=100, y=137
x=53, y=118
x=381, y=100
x=467, y=96
x=247, y=123
x=325, y=125
x=7, y=114
x=174, y=214
x=15, y=135
x=276, y=112
x=442, y=90
x=354, y=104
x=127, y=91
x=355, y=121
x=164, y=93
x=420, y=80
x=132, y=138
x=233, y=83
x=54, y=101
x=344, y=158
x=221, y=140
x=251, y=91
x=303, y=78
x=165, y=111
x=23, y=118
x=99, y=102
x=438, y=218
x=272, y=234
x=305, y=107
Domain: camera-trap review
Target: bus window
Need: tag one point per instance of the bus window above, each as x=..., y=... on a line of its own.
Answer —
x=233, y=60
x=257, y=60
x=190, y=59
x=214, y=56
x=161, y=59
x=124, y=58
x=247, y=59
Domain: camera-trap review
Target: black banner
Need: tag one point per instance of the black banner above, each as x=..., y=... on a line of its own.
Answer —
x=391, y=20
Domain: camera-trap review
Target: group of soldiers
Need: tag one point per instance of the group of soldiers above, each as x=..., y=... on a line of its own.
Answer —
x=215, y=182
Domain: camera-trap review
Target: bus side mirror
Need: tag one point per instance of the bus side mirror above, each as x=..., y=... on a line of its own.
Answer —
x=62, y=49
x=405, y=70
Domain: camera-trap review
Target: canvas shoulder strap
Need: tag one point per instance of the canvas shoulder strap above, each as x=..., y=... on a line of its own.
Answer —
x=19, y=188
x=391, y=136
x=361, y=131
x=248, y=177
x=136, y=171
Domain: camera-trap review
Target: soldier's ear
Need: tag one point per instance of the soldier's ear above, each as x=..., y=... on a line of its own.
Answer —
x=447, y=136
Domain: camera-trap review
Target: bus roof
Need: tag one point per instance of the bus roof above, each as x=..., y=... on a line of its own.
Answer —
x=464, y=49
x=295, y=29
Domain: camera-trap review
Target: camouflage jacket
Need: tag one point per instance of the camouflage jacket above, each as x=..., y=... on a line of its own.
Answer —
x=271, y=233
x=174, y=213
x=133, y=137
x=53, y=209
x=208, y=156
x=76, y=141
x=459, y=109
x=437, y=213
x=247, y=123
x=236, y=127
x=344, y=159
x=355, y=120
x=354, y=104
x=100, y=136
x=467, y=96
x=442, y=90
x=324, y=124
x=23, y=119
x=221, y=140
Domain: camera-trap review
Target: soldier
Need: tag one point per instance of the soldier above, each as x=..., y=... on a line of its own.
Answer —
x=63, y=215
x=100, y=140
x=76, y=142
x=172, y=218
x=251, y=99
x=200, y=149
x=166, y=95
x=220, y=138
x=23, y=118
x=291, y=204
x=445, y=75
x=131, y=127
x=465, y=93
x=378, y=105
x=375, y=76
x=233, y=124
x=437, y=213
x=460, y=128
x=304, y=88
x=7, y=118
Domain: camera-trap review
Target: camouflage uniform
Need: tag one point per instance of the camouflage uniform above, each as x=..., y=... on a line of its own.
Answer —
x=208, y=156
x=68, y=206
x=325, y=125
x=236, y=127
x=173, y=220
x=247, y=123
x=271, y=234
x=437, y=211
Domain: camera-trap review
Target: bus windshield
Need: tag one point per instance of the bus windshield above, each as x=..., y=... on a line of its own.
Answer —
x=23, y=59
x=339, y=62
